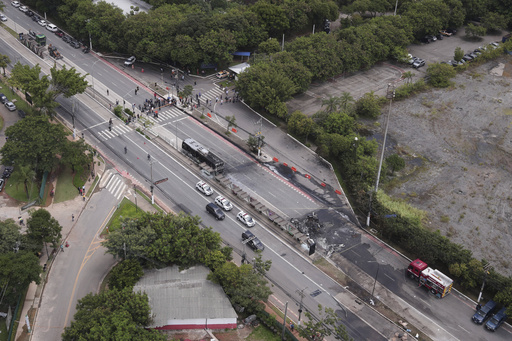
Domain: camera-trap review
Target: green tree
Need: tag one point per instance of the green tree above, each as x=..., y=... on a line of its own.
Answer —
x=265, y=86
x=76, y=154
x=368, y=105
x=426, y=17
x=159, y=240
x=44, y=90
x=474, y=31
x=255, y=142
x=505, y=298
x=395, y=163
x=231, y=122
x=4, y=61
x=112, y=315
x=9, y=235
x=494, y=22
x=186, y=51
x=296, y=71
x=244, y=285
x=440, y=74
x=43, y=227
x=17, y=271
x=331, y=104
x=408, y=75
x=125, y=274
x=186, y=92
x=271, y=17
x=300, y=124
x=326, y=324
x=346, y=101
x=459, y=53
x=218, y=46
x=269, y=46
x=39, y=149
x=26, y=173
x=339, y=123
x=372, y=6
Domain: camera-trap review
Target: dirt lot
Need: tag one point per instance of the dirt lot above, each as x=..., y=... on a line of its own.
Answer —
x=459, y=144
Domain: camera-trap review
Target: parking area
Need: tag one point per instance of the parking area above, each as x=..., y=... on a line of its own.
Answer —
x=444, y=50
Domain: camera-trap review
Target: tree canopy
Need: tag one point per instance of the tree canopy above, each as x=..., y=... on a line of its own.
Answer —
x=112, y=315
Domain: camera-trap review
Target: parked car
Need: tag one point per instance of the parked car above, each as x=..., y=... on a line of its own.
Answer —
x=254, y=243
x=246, y=219
x=10, y=106
x=452, y=63
x=483, y=313
x=204, y=188
x=42, y=22
x=467, y=57
x=497, y=320
x=495, y=44
x=59, y=33
x=15, y=3
x=36, y=18
x=23, y=8
x=3, y=17
x=21, y=113
x=446, y=33
x=222, y=74
x=75, y=44
x=66, y=39
x=215, y=211
x=439, y=36
x=451, y=30
x=52, y=28
x=418, y=63
x=3, y=98
x=130, y=61
x=7, y=171
x=224, y=203
x=29, y=13
x=472, y=55
x=2, y=182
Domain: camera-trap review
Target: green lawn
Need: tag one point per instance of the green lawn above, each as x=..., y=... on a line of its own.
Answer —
x=263, y=333
x=127, y=209
x=65, y=190
x=20, y=104
x=1, y=123
x=15, y=188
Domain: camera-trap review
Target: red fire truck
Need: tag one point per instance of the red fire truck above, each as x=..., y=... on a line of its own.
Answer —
x=438, y=283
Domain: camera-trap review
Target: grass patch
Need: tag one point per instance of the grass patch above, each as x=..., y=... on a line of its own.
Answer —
x=1, y=123
x=17, y=100
x=65, y=189
x=148, y=199
x=15, y=188
x=263, y=333
x=127, y=209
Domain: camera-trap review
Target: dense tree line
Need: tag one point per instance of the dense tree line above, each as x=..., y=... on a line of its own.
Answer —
x=19, y=262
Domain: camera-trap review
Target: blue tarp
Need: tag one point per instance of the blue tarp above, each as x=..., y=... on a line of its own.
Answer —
x=244, y=54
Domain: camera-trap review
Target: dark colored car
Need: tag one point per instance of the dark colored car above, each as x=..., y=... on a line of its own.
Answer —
x=21, y=113
x=36, y=18
x=254, y=243
x=86, y=49
x=215, y=211
x=29, y=13
x=66, y=39
x=7, y=171
x=75, y=44
x=467, y=58
x=497, y=320
x=483, y=313
x=451, y=30
x=3, y=98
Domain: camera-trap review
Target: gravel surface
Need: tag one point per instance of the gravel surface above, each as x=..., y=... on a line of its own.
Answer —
x=458, y=145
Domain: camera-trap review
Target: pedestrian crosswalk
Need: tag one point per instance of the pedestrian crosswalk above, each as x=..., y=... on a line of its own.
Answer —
x=116, y=131
x=165, y=114
x=116, y=186
x=213, y=94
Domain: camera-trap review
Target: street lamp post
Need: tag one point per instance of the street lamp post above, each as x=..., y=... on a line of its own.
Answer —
x=390, y=95
x=151, y=187
x=135, y=194
x=376, y=276
x=92, y=75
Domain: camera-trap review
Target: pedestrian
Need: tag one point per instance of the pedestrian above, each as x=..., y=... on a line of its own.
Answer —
x=108, y=93
x=21, y=220
x=194, y=83
x=83, y=196
x=117, y=102
x=83, y=188
x=62, y=247
x=135, y=92
x=478, y=307
x=72, y=217
x=292, y=326
x=154, y=95
x=110, y=106
x=79, y=190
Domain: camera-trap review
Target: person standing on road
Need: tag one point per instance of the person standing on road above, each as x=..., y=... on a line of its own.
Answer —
x=72, y=217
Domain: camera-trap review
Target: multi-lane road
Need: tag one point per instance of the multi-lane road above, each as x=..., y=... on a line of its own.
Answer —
x=291, y=270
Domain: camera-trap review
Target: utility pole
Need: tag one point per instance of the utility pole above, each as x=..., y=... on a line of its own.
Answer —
x=390, y=95
x=284, y=322
x=486, y=272
x=135, y=194
x=301, y=294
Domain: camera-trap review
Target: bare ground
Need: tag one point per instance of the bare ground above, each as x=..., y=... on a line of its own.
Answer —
x=458, y=145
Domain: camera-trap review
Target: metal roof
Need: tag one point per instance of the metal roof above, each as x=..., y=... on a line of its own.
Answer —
x=183, y=295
